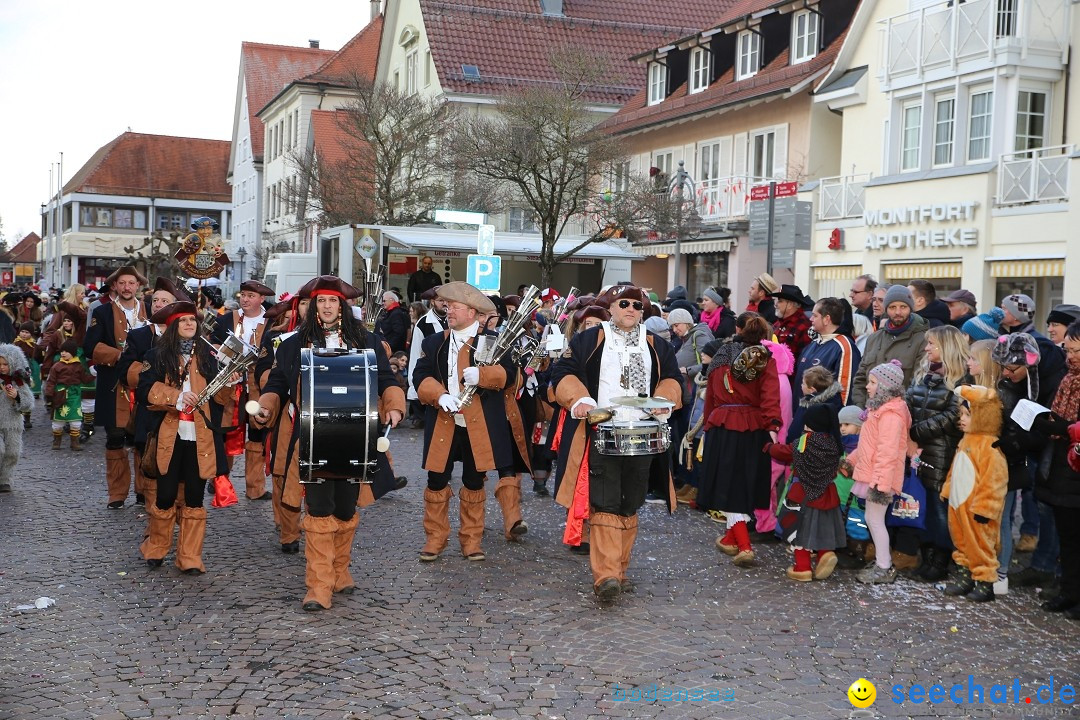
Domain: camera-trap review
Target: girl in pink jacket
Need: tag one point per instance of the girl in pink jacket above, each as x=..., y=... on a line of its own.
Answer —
x=881, y=460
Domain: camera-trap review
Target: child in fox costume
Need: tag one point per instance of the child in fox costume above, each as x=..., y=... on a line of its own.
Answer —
x=975, y=490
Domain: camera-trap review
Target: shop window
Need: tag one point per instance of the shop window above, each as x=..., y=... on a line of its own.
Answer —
x=707, y=271
x=804, y=36
x=979, y=126
x=748, y=60
x=944, y=130
x=910, y=134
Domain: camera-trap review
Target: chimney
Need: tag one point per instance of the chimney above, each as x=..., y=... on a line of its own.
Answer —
x=376, y=9
x=313, y=44
x=552, y=7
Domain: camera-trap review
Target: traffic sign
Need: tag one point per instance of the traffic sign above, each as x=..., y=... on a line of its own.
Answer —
x=484, y=272
x=485, y=240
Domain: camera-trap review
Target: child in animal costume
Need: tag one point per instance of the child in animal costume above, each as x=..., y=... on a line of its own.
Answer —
x=975, y=490
x=15, y=384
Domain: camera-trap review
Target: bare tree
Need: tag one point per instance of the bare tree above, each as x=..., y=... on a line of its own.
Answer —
x=387, y=165
x=155, y=256
x=542, y=148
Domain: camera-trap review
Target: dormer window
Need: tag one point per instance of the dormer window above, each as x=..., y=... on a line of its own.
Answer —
x=700, y=69
x=657, y=83
x=748, y=61
x=805, y=27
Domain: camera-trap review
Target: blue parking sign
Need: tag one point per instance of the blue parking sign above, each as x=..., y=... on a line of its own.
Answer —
x=484, y=272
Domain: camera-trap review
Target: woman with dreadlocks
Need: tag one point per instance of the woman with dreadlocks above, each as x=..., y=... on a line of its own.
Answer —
x=331, y=519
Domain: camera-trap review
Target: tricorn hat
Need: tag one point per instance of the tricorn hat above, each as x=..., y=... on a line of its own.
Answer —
x=125, y=270
x=173, y=312
x=431, y=293
x=328, y=285
x=164, y=283
x=591, y=311
x=466, y=294
x=256, y=287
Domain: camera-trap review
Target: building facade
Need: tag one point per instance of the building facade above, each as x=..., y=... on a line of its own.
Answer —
x=957, y=150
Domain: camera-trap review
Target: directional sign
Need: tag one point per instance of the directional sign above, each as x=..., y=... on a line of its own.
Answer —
x=485, y=240
x=484, y=272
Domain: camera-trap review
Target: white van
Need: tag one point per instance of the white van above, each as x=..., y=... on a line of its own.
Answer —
x=286, y=272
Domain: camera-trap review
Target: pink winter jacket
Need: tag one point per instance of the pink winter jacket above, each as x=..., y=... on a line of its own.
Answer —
x=881, y=458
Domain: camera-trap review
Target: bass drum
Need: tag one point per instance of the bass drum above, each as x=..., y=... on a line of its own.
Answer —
x=339, y=414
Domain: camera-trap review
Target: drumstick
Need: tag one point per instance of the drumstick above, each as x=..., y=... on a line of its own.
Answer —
x=253, y=408
x=383, y=444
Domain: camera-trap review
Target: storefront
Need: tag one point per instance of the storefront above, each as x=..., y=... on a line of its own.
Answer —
x=704, y=265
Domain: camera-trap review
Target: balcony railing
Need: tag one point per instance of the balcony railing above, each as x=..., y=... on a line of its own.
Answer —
x=950, y=33
x=726, y=198
x=842, y=197
x=1034, y=175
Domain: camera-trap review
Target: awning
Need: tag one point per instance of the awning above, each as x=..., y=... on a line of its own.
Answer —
x=421, y=239
x=694, y=246
x=837, y=272
x=1027, y=268
x=923, y=271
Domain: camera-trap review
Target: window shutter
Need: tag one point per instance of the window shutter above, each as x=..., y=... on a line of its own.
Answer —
x=690, y=161
x=723, y=168
x=741, y=167
x=780, y=168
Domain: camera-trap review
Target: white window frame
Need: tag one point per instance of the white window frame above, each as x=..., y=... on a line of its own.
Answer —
x=762, y=160
x=700, y=69
x=944, y=131
x=1020, y=110
x=747, y=54
x=709, y=156
x=908, y=133
x=804, y=39
x=664, y=160
x=657, y=82
x=521, y=220
x=412, y=68
x=427, y=68
x=986, y=135
x=620, y=177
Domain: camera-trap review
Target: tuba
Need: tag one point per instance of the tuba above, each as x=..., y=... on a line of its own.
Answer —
x=490, y=350
x=235, y=356
x=374, y=282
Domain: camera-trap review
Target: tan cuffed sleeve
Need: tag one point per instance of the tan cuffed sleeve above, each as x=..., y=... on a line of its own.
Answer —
x=492, y=377
x=569, y=390
x=430, y=391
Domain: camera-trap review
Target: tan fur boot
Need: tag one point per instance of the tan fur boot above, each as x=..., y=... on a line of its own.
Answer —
x=254, y=475
x=343, y=540
x=189, y=544
x=117, y=474
x=159, y=534
x=508, y=493
x=605, y=553
x=629, y=535
x=471, y=532
x=320, y=550
x=436, y=522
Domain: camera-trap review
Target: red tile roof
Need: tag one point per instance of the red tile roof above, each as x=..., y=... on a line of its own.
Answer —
x=24, y=251
x=268, y=69
x=160, y=166
x=510, y=41
x=334, y=146
x=331, y=142
x=358, y=56
x=778, y=76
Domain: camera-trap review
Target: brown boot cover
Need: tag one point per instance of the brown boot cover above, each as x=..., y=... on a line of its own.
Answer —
x=629, y=535
x=190, y=542
x=277, y=484
x=343, y=541
x=471, y=512
x=436, y=520
x=508, y=493
x=319, y=549
x=159, y=532
x=74, y=434
x=605, y=546
x=140, y=479
x=254, y=474
x=288, y=518
x=117, y=474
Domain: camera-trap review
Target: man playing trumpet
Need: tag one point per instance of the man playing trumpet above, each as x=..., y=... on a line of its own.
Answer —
x=476, y=434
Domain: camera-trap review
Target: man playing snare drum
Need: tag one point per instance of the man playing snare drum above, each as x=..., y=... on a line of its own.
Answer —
x=617, y=358
x=331, y=518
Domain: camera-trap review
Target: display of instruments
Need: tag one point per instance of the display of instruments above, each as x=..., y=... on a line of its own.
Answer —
x=374, y=278
x=632, y=437
x=644, y=403
x=490, y=350
x=339, y=414
x=234, y=357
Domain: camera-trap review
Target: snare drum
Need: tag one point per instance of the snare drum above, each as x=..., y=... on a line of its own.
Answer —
x=339, y=414
x=632, y=437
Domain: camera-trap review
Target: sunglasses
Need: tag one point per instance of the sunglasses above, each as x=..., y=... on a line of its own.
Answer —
x=627, y=303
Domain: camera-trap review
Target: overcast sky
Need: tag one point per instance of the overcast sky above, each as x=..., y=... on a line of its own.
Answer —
x=74, y=75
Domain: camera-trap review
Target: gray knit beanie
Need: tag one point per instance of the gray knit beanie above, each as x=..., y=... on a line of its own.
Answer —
x=898, y=293
x=714, y=296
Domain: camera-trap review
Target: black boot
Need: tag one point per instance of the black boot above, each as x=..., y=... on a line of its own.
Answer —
x=963, y=584
x=540, y=487
x=982, y=592
x=936, y=565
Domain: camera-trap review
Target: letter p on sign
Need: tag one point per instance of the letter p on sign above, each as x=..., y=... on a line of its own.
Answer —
x=484, y=272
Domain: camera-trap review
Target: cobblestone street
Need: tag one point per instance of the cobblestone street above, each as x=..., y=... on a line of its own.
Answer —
x=519, y=635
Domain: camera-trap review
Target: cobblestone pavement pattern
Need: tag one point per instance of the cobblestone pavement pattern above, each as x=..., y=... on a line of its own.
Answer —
x=517, y=636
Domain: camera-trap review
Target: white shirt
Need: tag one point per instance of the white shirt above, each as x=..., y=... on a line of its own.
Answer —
x=616, y=356
x=458, y=338
x=132, y=316
x=414, y=348
x=186, y=429
x=246, y=329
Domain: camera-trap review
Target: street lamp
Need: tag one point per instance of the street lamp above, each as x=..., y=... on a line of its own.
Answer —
x=692, y=226
x=241, y=253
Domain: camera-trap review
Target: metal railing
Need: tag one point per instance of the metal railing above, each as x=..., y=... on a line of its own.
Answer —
x=1035, y=175
x=842, y=196
x=949, y=33
x=726, y=198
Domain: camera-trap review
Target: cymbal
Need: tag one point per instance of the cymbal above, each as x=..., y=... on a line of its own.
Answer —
x=645, y=403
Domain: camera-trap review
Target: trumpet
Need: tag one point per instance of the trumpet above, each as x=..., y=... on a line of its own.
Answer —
x=237, y=356
x=490, y=350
